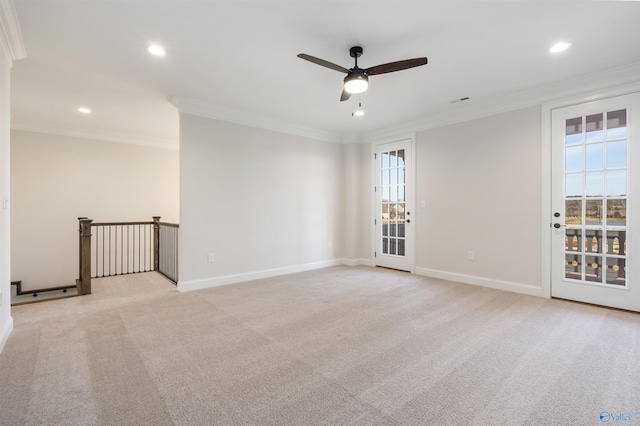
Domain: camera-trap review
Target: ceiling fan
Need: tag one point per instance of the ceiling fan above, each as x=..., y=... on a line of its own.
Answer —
x=357, y=79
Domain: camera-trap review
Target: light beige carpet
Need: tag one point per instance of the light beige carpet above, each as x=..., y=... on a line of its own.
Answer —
x=343, y=345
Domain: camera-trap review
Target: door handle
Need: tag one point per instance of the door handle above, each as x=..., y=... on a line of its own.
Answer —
x=408, y=220
x=557, y=225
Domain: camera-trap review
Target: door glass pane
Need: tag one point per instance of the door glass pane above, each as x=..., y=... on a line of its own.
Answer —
x=616, y=271
x=573, y=158
x=593, y=269
x=393, y=194
x=400, y=247
x=385, y=246
x=593, y=241
x=401, y=193
x=573, y=185
x=393, y=213
x=385, y=224
x=617, y=154
x=573, y=212
x=385, y=193
x=616, y=242
x=392, y=246
x=393, y=160
x=573, y=131
x=384, y=158
x=595, y=156
x=594, y=184
x=572, y=239
x=617, y=212
x=595, y=130
x=392, y=228
x=617, y=124
x=617, y=183
x=593, y=211
x=573, y=266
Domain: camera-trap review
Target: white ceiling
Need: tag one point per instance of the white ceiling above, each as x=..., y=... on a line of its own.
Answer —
x=239, y=57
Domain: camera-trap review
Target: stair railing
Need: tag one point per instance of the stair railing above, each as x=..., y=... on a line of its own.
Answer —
x=119, y=248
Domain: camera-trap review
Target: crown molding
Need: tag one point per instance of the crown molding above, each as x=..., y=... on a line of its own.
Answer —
x=625, y=79
x=10, y=34
x=593, y=86
x=350, y=138
x=218, y=112
x=147, y=141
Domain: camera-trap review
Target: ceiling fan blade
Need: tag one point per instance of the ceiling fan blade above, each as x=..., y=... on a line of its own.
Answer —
x=395, y=66
x=345, y=95
x=322, y=62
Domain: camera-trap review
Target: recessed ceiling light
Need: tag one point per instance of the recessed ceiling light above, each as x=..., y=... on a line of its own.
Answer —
x=157, y=50
x=84, y=110
x=560, y=47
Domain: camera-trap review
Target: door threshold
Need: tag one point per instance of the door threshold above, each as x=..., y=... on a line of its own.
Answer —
x=596, y=305
x=392, y=269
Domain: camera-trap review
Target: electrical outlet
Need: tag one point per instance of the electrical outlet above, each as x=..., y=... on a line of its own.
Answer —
x=211, y=258
x=471, y=255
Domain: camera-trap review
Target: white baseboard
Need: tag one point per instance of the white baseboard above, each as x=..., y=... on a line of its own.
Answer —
x=6, y=332
x=528, y=289
x=256, y=275
x=434, y=273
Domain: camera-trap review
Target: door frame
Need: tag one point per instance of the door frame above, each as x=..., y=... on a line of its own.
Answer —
x=410, y=191
x=546, y=171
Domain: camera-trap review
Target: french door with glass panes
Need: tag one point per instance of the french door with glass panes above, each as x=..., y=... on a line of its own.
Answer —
x=595, y=221
x=394, y=236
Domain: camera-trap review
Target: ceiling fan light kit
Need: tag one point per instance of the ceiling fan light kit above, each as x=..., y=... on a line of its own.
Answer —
x=358, y=112
x=357, y=79
x=356, y=83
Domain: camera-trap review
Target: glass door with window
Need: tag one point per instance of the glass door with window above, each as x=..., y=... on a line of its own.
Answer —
x=595, y=195
x=393, y=213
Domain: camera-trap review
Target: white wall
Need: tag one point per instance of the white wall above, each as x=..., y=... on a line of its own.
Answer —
x=56, y=179
x=243, y=187
x=261, y=201
x=6, y=322
x=481, y=181
x=356, y=204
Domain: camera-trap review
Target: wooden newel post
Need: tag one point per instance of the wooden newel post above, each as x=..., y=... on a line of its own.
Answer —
x=156, y=243
x=80, y=248
x=84, y=282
